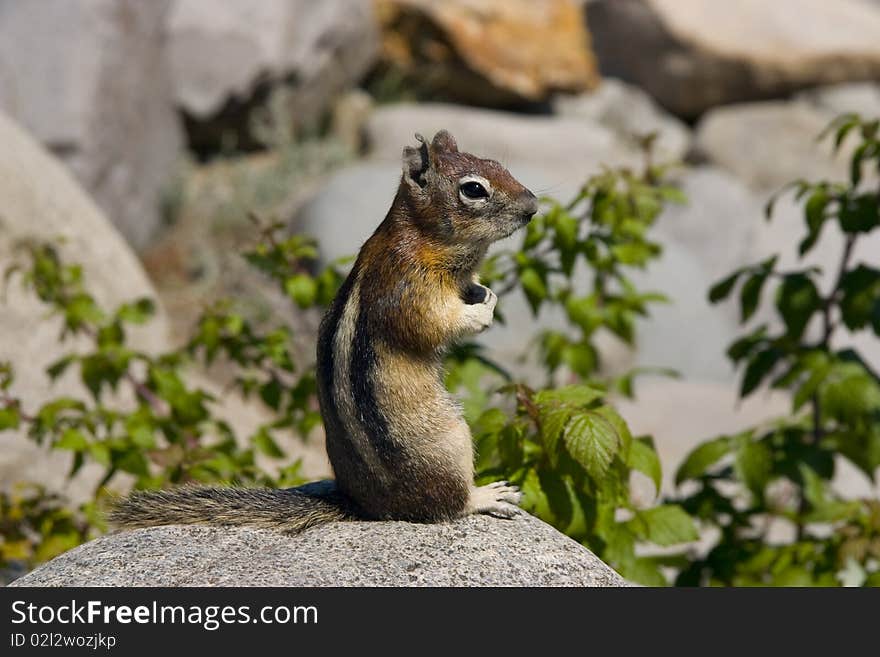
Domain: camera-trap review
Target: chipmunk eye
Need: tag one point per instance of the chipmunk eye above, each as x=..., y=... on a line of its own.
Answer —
x=474, y=190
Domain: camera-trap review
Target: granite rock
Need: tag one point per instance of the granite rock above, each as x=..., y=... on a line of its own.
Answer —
x=473, y=551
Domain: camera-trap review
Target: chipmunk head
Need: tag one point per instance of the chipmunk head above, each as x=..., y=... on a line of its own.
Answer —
x=461, y=197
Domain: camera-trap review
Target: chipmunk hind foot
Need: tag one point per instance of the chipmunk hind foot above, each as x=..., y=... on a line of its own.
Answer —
x=500, y=499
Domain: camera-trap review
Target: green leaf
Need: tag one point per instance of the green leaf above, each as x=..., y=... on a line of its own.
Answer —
x=72, y=439
x=137, y=313
x=535, y=232
x=746, y=345
x=754, y=464
x=664, y=525
x=860, y=214
x=619, y=425
x=510, y=446
x=750, y=295
x=58, y=368
x=643, y=457
x=760, y=365
x=819, y=365
x=859, y=155
x=592, y=442
x=491, y=421
x=133, y=462
x=633, y=253
x=584, y=312
x=264, y=442
x=722, y=289
x=10, y=418
x=796, y=300
x=100, y=453
x=534, y=287
x=303, y=289
x=270, y=393
x=825, y=508
x=850, y=392
x=794, y=575
x=703, y=457
x=578, y=395
x=644, y=571
x=815, y=216
x=860, y=295
x=565, y=240
x=140, y=431
x=553, y=420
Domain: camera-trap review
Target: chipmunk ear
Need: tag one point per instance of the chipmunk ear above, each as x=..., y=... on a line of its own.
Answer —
x=444, y=142
x=416, y=162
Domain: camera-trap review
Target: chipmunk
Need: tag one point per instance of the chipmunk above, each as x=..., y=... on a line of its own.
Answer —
x=397, y=441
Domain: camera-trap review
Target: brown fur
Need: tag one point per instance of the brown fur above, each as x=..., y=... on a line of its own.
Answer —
x=396, y=439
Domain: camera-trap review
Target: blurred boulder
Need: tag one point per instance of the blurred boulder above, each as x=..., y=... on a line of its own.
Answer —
x=859, y=97
x=89, y=79
x=771, y=143
x=694, y=54
x=488, y=52
x=291, y=58
x=41, y=201
x=568, y=149
x=706, y=238
x=680, y=415
x=630, y=112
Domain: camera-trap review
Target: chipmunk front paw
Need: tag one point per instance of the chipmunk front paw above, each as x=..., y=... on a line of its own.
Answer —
x=479, y=314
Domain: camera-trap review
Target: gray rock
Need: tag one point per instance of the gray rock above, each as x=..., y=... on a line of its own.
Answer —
x=569, y=149
x=770, y=144
x=550, y=155
x=90, y=80
x=703, y=240
x=474, y=551
x=229, y=57
x=694, y=54
x=682, y=414
x=349, y=207
x=41, y=201
x=630, y=112
x=859, y=97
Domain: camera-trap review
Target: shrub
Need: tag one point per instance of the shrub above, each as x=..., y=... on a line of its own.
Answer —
x=784, y=469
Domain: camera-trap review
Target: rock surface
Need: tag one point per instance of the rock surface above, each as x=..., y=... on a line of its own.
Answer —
x=694, y=54
x=228, y=58
x=706, y=238
x=682, y=414
x=489, y=52
x=42, y=201
x=90, y=80
x=630, y=112
x=474, y=551
x=769, y=144
x=859, y=97
x=569, y=149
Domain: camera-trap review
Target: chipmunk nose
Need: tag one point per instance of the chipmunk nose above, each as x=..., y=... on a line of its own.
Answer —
x=529, y=205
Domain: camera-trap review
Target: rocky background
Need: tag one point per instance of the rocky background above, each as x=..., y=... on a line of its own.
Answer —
x=144, y=132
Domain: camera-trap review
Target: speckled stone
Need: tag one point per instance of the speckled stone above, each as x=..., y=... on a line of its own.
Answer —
x=474, y=551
